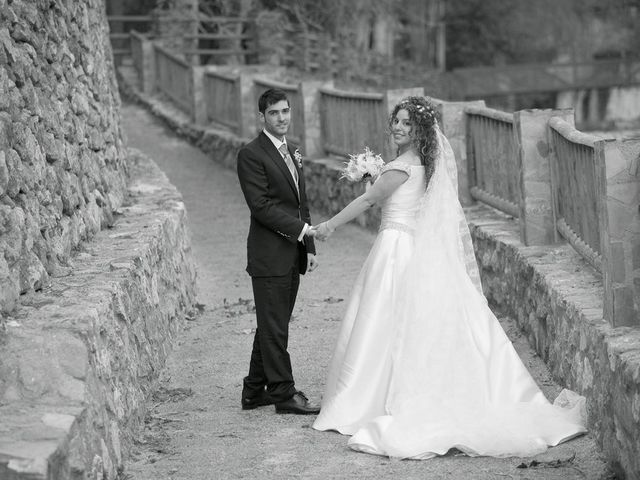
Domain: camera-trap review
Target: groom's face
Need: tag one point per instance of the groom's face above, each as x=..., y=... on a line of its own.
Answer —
x=276, y=118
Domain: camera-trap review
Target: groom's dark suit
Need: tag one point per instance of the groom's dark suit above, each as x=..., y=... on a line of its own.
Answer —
x=275, y=260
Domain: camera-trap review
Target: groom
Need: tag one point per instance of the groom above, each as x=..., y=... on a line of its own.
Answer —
x=279, y=249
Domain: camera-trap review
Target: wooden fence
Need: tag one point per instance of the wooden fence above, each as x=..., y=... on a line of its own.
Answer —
x=222, y=98
x=296, y=131
x=492, y=159
x=575, y=189
x=120, y=28
x=532, y=164
x=222, y=36
x=349, y=121
x=204, y=37
x=174, y=77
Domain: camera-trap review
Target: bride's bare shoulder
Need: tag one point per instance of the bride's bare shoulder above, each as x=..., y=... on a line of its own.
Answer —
x=410, y=157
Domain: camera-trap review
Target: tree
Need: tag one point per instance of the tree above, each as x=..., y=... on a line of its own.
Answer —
x=490, y=32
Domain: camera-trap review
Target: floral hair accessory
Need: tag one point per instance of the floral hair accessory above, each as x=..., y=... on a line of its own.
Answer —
x=363, y=166
x=298, y=157
x=423, y=113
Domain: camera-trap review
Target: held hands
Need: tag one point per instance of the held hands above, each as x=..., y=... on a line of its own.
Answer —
x=322, y=231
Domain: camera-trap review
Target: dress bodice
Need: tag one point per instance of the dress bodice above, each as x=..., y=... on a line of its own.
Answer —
x=399, y=209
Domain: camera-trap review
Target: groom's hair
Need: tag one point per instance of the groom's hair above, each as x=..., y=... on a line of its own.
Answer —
x=269, y=97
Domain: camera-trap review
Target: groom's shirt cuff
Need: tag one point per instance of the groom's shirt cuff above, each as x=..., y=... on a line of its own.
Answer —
x=305, y=229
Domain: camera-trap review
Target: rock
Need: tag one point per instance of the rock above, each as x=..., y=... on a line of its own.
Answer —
x=4, y=174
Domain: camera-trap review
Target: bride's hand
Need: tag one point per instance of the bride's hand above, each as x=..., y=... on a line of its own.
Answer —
x=322, y=231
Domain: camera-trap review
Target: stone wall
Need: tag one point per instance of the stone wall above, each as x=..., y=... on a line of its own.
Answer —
x=557, y=299
x=62, y=167
x=79, y=360
x=96, y=272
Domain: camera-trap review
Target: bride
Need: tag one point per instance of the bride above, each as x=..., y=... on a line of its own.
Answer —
x=421, y=364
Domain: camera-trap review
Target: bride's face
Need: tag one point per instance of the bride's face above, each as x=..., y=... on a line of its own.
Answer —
x=401, y=127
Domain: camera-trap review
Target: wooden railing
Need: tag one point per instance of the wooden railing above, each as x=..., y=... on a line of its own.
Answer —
x=575, y=189
x=121, y=26
x=533, y=164
x=492, y=159
x=226, y=30
x=174, y=77
x=296, y=130
x=202, y=41
x=222, y=96
x=349, y=121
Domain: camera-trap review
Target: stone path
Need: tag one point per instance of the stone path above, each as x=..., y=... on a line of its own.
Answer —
x=195, y=428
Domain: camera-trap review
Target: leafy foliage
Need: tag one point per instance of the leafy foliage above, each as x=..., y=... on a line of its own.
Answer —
x=490, y=32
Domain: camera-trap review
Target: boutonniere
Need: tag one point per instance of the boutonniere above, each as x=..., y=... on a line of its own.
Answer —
x=298, y=156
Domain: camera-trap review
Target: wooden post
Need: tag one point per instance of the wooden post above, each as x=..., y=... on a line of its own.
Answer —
x=311, y=136
x=199, y=107
x=172, y=23
x=441, y=39
x=148, y=68
x=116, y=8
x=593, y=116
x=454, y=126
x=249, y=107
x=537, y=221
x=619, y=184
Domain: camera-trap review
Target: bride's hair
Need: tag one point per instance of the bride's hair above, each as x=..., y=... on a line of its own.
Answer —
x=424, y=137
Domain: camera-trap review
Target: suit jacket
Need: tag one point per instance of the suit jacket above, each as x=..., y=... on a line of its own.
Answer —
x=278, y=211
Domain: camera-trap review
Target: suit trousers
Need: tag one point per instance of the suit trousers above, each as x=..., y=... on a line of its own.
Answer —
x=270, y=364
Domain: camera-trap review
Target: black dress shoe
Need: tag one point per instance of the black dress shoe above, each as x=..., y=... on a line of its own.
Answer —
x=298, y=404
x=260, y=400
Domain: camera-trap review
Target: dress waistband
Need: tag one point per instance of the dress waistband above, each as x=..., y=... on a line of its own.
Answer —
x=391, y=225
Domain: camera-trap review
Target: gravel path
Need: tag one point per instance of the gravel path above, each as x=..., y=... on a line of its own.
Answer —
x=195, y=428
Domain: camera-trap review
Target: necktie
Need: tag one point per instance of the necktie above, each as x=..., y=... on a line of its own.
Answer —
x=289, y=161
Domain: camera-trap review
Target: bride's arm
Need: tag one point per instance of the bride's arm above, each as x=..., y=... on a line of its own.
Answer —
x=388, y=182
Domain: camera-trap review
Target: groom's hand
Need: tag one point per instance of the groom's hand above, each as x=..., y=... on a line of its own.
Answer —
x=312, y=262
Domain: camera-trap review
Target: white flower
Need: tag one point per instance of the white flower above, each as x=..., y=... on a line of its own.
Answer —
x=298, y=156
x=363, y=166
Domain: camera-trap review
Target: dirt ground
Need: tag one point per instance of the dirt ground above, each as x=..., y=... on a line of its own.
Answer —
x=195, y=428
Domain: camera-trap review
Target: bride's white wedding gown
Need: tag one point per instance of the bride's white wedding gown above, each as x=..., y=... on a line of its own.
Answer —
x=421, y=364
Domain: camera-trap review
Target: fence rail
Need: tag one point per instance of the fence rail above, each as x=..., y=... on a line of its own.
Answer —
x=174, y=77
x=222, y=94
x=349, y=121
x=493, y=159
x=575, y=189
x=122, y=25
x=532, y=165
x=296, y=131
x=120, y=28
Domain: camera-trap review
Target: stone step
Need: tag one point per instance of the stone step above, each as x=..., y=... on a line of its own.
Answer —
x=33, y=439
x=80, y=357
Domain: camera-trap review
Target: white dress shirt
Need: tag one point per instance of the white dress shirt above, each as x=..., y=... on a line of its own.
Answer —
x=278, y=143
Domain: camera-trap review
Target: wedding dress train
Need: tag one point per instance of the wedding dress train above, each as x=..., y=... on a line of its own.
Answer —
x=421, y=364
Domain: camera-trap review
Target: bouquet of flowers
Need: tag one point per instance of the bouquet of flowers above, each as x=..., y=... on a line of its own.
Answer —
x=363, y=166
